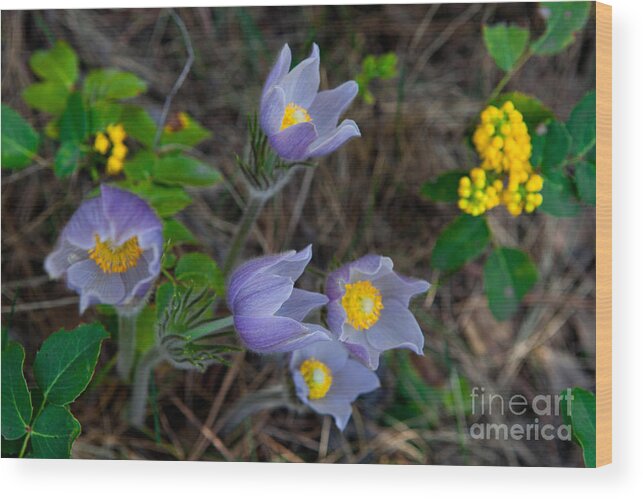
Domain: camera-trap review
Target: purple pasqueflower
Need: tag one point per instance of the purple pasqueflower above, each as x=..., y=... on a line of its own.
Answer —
x=299, y=121
x=110, y=251
x=269, y=312
x=328, y=381
x=369, y=308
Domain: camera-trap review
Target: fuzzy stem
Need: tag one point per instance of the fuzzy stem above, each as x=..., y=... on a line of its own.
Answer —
x=250, y=215
x=141, y=384
x=126, y=343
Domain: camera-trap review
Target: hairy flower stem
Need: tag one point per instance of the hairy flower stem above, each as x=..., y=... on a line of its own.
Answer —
x=250, y=215
x=141, y=384
x=126, y=342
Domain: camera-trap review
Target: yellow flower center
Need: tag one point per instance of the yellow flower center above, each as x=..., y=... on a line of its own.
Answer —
x=317, y=376
x=115, y=258
x=363, y=303
x=293, y=115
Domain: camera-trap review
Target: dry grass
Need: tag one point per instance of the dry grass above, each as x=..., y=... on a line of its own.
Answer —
x=365, y=198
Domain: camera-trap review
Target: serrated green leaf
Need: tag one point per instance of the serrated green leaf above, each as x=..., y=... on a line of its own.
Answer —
x=556, y=147
x=166, y=200
x=558, y=195
x=184, y=170
x=580, y=413
x=58, y=64
x=47, y=96
x=582, y=125
x=563, y=20
x=54, y=432
x=176, y=233
x=140, y=166
x=190, y=133
x=444, y=188
x=508, y=275
x=19, y=140
x=67, y=159
x=16, y=399
x=585, y=176
x=462, y=240
x=534, y=112
x=73, y=122
x=505, y=44
x=201, y=270
x=66, y=360
x=139, y=124
x=111, y=83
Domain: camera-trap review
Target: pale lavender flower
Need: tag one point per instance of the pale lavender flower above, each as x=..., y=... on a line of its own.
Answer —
x=299, y=121
x=369, y=308
x=328, y=381
x=110, y=251
x=269, y=312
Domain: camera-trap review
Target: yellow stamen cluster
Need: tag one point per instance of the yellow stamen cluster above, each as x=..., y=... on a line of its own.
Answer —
x=317, y=376
x=505, y=175
x=176, y=123
x=116, y=141
x=293, y=115
x=115, y=258
x=363, y=303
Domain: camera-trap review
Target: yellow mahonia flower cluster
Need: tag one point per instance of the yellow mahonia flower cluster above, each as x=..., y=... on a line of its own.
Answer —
x=114, y=139
x=505, y=175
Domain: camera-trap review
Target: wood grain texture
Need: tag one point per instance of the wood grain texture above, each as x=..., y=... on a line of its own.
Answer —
x=603, y=234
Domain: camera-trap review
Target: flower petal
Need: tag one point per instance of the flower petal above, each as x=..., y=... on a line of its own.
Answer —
x=331, y=353
x=333, y=140
x=397, y=328
x=87, y=279
x=401, y=288
x=246, y=271
x=301, y=84
x=293, y=264
x=64, y=255
x=329, y=105
x=263, y=295
x=273, y=107
x=277, y=334
x=279, y=70
x=128, y=214
x=301, y=303
x=88, y=220
x=370, y=268
x=293, y=142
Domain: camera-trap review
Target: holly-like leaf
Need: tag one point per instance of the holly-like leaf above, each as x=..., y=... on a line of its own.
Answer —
x=580, y=413
x=176, y=233
x=19, y=140
x=534, y=112
x=508, y=275
x=559, y=198
x=585, y=176
x=58, y=64
x=184, y=170
x=563, y=20
x=111, y=83
x=67, y=159
x=462, y=240
x=16, y=399
x=166, y=200
x=505, y=44
x=65, y=363
x=139, y=124
x=47, y=96
x=188, y=133
x=556, y=147
x=444, y=188
x=73, y=122
x=53, y=433
x=582, y=125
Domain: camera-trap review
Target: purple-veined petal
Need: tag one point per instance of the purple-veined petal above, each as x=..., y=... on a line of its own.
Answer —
x=293, y=264
x=279, y=70
x=329, y=105
x=246, y=271
x=370, y=268
x=263, y=295
x=336, y=138
x=273, y=106
x=340, y=409
x=301, y=84
x=396, y=328
x=88, y=221
x=331, y=353
x=64, y=255
x=276, y=334
x=87, y=279
x=301, y=303
x=128, y=214
x=292, y=143
x=392, y=285
x=335, y=317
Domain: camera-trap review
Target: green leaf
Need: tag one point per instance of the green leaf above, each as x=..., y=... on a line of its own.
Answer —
x=112, y=84
x=184, y=170
x=102, y=114
x=19, y=140
x=58, y=64
x=562, y=20
x=163, y=296
x=201, y=270
x=580, y=413
x=139, y=124
x=533, y=111
x=444, y=188
x=54, y=432
x=559, y=199
x=462, y=240
x=166, y=200
x=73, y=122
x=47, y=96
x=556, y=147
x=176, y=233
x=508, y=275
x=505, y=44
x=146, y=329
x=65, y=363
x=582, y=125
x=16, y=399
x=140, y=166
x=67, y=159
x=585, y=176
x=190, y=134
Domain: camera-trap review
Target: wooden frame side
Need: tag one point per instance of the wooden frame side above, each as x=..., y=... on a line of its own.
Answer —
x=603, y=234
